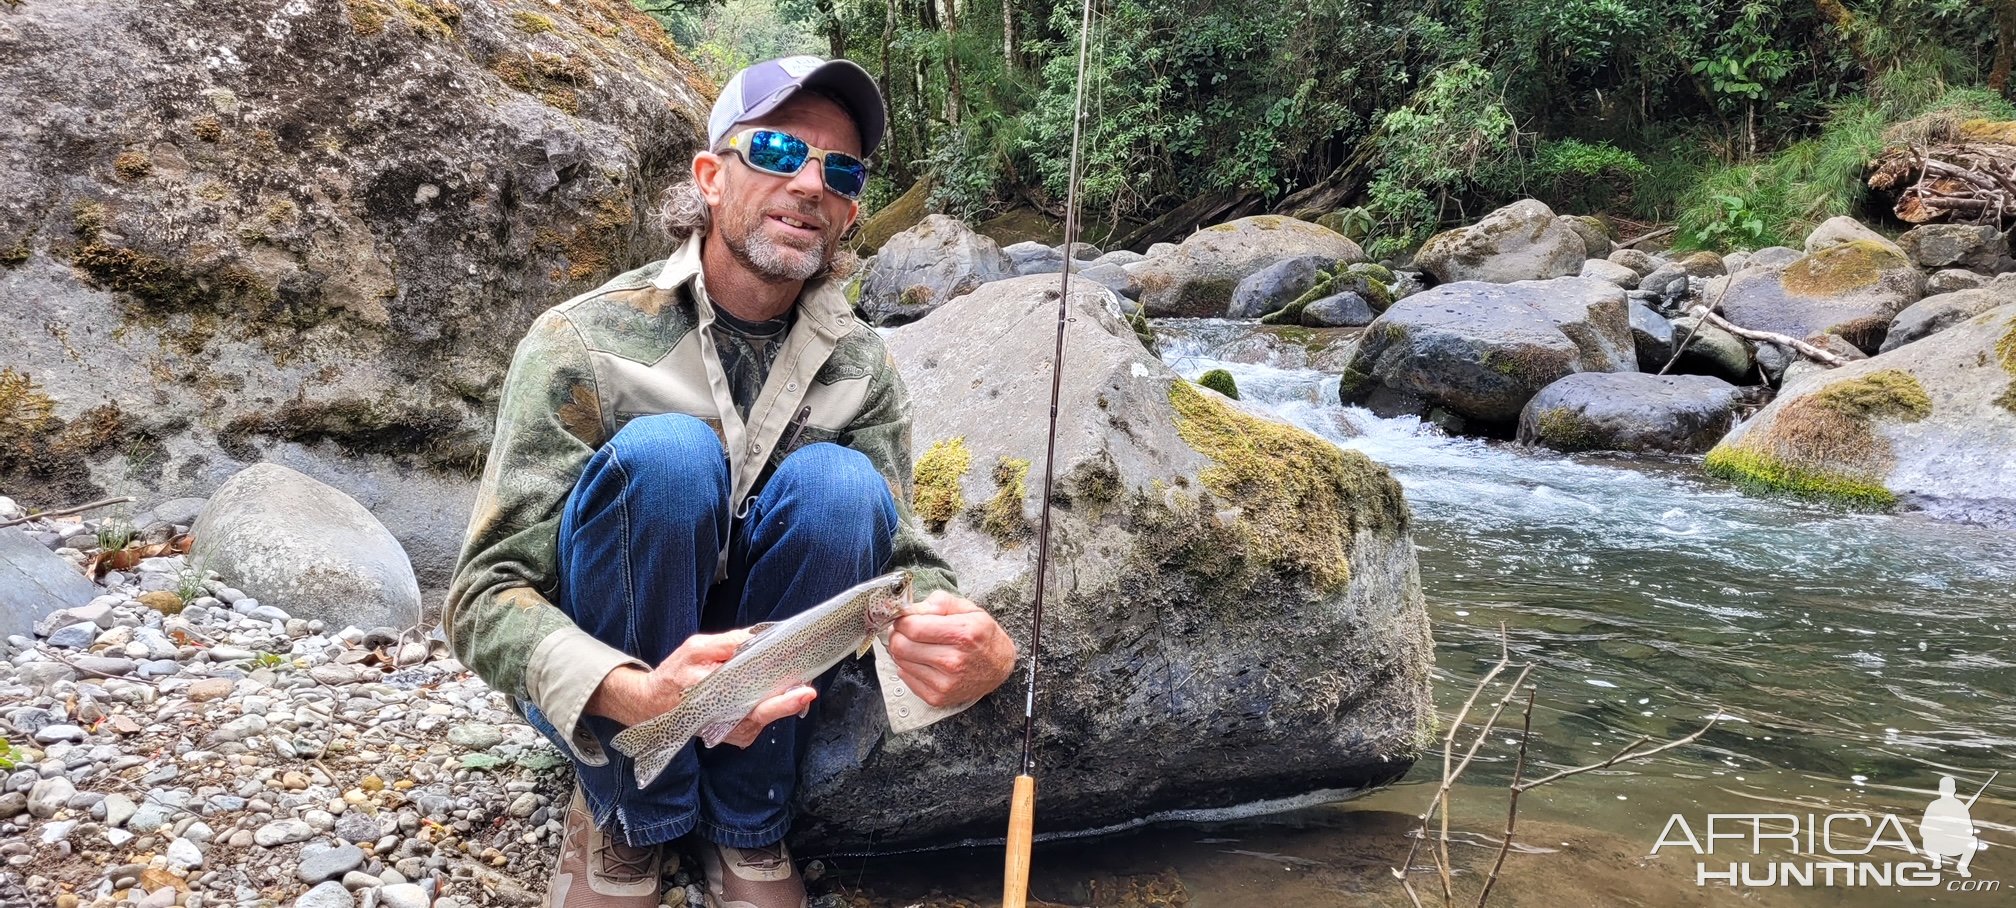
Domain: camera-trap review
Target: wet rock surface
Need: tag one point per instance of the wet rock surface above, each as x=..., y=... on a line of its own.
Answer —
x=1191, y=532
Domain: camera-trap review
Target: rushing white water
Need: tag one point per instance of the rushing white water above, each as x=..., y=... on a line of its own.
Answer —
x=1842, y=644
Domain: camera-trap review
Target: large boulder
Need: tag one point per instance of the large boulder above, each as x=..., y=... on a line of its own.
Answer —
x=1934, y=314
x=1523, y=241
x=1481, y=350
x=1975, y=247
x=1927, y=425
x=1030, y=257
x=1631, y=411
x=35, y=583
x=293, y=542
x=1277, y=285
x=1198, y=277
x=1851, y=288
x=919, y=269
x=312, y=232
x=1841, y=230
x=1234, y=613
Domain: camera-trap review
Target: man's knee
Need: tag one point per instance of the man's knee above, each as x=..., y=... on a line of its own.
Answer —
x=672, y=461
x=827, y=482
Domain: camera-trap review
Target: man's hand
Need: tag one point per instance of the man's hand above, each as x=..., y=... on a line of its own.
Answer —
x=631, y=695
x=950, y=651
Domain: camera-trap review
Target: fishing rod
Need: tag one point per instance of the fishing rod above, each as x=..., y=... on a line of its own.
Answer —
x=1022, y=806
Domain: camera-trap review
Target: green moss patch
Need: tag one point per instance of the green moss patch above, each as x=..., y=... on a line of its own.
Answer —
x=1302, y=499
x=1220, y=381
x=936, y=479
x=1002, y=516
x=1825, y=444
x=1889, y=393
x=1759, y=472
x=1841, y=269
x=1564, y=429
x=532, y=23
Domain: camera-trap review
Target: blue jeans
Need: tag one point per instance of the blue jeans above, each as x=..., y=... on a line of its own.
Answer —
x=639, y=541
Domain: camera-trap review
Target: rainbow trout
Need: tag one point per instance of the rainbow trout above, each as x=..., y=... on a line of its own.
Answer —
x=782, y=655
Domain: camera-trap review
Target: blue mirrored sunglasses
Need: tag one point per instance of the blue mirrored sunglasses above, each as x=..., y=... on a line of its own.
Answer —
x=784, y=154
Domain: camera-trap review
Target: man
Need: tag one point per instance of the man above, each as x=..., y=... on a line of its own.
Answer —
x=705, y=444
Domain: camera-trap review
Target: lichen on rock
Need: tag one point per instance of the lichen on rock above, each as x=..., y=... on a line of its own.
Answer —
x=936, y=480
x=1302, y=499
x=1824, y=444
x=1002, y=516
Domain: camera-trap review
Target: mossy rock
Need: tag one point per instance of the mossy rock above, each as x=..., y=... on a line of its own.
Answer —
x=1825, y=441
x=1220, y=381
x=1852, y=288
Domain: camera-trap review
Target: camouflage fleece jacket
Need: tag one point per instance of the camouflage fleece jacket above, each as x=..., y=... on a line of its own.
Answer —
x=636, y=346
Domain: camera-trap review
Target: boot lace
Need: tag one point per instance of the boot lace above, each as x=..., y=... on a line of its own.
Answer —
x=623, y=863
x=763, y=860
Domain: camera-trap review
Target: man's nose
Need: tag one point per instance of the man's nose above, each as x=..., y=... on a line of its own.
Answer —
x=810, y=180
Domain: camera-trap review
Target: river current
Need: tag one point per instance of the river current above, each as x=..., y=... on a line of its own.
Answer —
x=1853, y=660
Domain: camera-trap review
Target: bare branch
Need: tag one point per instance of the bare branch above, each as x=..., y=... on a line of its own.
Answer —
x=1512, y=807
x=1626, y=755
x=1783, y=340
x=73, y=509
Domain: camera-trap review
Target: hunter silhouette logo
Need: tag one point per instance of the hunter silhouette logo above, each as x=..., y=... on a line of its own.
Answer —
x=1948, y=827
x=1837, y=849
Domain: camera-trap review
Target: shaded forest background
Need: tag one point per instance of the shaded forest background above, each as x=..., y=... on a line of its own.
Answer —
x=1743, y=122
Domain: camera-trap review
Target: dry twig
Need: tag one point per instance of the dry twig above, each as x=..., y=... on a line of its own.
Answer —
x=73, y=509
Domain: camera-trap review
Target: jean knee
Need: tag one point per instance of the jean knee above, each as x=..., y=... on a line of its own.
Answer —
x=671, y=458
x=836, y=484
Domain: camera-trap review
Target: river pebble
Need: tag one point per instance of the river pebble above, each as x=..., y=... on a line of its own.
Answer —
x=327, y=775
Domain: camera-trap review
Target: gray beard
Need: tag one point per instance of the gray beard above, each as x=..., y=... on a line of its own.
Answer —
x=774, y=260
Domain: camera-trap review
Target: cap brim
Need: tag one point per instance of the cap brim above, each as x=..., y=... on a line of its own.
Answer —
x=846, y=81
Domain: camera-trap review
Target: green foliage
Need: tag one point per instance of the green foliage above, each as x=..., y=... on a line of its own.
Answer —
x=6, y=756
x=1573, y=175
x=1431, y=146
x=1780, y=199
x=189, y=581
x=114, y=533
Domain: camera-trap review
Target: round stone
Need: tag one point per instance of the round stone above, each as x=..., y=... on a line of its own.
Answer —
x=322, y=861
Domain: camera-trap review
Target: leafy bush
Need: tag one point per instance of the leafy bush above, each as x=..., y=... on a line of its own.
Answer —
x=1572, y=175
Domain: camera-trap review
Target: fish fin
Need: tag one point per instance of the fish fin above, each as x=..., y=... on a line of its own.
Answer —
x=651, y=765
x=714, y=734
x=755, y=631
x=866, y=645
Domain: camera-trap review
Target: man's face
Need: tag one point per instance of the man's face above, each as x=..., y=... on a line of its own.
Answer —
x=754, y=212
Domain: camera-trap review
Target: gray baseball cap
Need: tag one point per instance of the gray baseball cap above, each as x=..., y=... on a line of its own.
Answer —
x=758, y=90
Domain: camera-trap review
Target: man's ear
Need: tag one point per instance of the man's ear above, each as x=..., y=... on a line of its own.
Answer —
x=710, y=176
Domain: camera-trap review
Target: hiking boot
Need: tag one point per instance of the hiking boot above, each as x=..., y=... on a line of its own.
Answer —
x=751, y=877
x=596, y=870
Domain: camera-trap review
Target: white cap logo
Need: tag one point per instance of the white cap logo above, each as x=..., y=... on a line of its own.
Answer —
x=797, y=67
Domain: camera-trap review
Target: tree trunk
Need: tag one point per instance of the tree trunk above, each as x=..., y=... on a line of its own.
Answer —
x=2005, y=46
x=836, y=38
x=1009, y=56
x=950, y=17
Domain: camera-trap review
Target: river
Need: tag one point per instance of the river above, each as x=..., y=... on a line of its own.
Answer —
x=1853, y=660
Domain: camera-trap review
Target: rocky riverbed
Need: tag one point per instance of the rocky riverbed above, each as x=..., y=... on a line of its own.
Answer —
x=214, y=750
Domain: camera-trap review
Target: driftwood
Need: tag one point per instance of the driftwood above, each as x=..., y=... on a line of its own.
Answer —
x=1663, y=231
x=1811, y=352
x=1964, y=173
x=59, y=512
